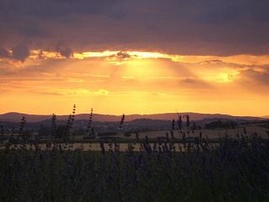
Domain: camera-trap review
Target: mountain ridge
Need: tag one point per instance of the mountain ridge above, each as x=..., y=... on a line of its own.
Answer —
x=16, y=117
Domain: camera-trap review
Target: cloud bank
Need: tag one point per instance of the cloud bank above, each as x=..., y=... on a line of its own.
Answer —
x=182, y=27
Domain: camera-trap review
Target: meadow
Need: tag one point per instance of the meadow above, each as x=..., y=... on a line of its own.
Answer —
x=174, y=167
x=235, y=170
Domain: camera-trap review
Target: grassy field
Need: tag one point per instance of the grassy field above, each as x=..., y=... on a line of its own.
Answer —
x=236, y=170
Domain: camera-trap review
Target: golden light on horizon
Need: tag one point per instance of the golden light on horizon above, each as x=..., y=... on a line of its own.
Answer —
x=142, y=69
x=117, y=82
x=224, y=77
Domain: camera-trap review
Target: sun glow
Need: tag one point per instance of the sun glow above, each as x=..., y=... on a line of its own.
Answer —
x=139, y=69
x=227, y=77
x=141, y=54
x=148, y=82
x=92, y=54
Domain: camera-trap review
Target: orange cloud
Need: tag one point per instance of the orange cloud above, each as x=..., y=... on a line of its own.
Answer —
x=134, y=82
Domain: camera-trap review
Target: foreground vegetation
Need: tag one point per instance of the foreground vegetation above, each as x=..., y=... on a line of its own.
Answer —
x=234, y=170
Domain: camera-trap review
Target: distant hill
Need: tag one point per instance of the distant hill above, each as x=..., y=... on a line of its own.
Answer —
x=16, y=117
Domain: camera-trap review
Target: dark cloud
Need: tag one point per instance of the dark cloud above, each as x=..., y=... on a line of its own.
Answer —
x=259, y=11
x=53, y=9
x=120, y=56
x=123, y=55
x=32, y=29
x=4, y=53
x=220, y=27
x=230, y=12
x=64, y=51
x=20, y=52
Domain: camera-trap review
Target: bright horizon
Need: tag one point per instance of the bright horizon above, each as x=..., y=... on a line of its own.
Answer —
x=124, y=58
x=133, y=82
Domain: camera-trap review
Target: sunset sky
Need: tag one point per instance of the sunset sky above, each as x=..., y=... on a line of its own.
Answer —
x=134, y=57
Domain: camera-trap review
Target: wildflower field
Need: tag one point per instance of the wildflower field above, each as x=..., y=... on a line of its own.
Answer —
x=182, y=165
x=237, y=169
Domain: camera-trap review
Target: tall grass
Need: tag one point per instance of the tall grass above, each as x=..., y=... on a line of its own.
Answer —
x=233, y=169
x=236, y=170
